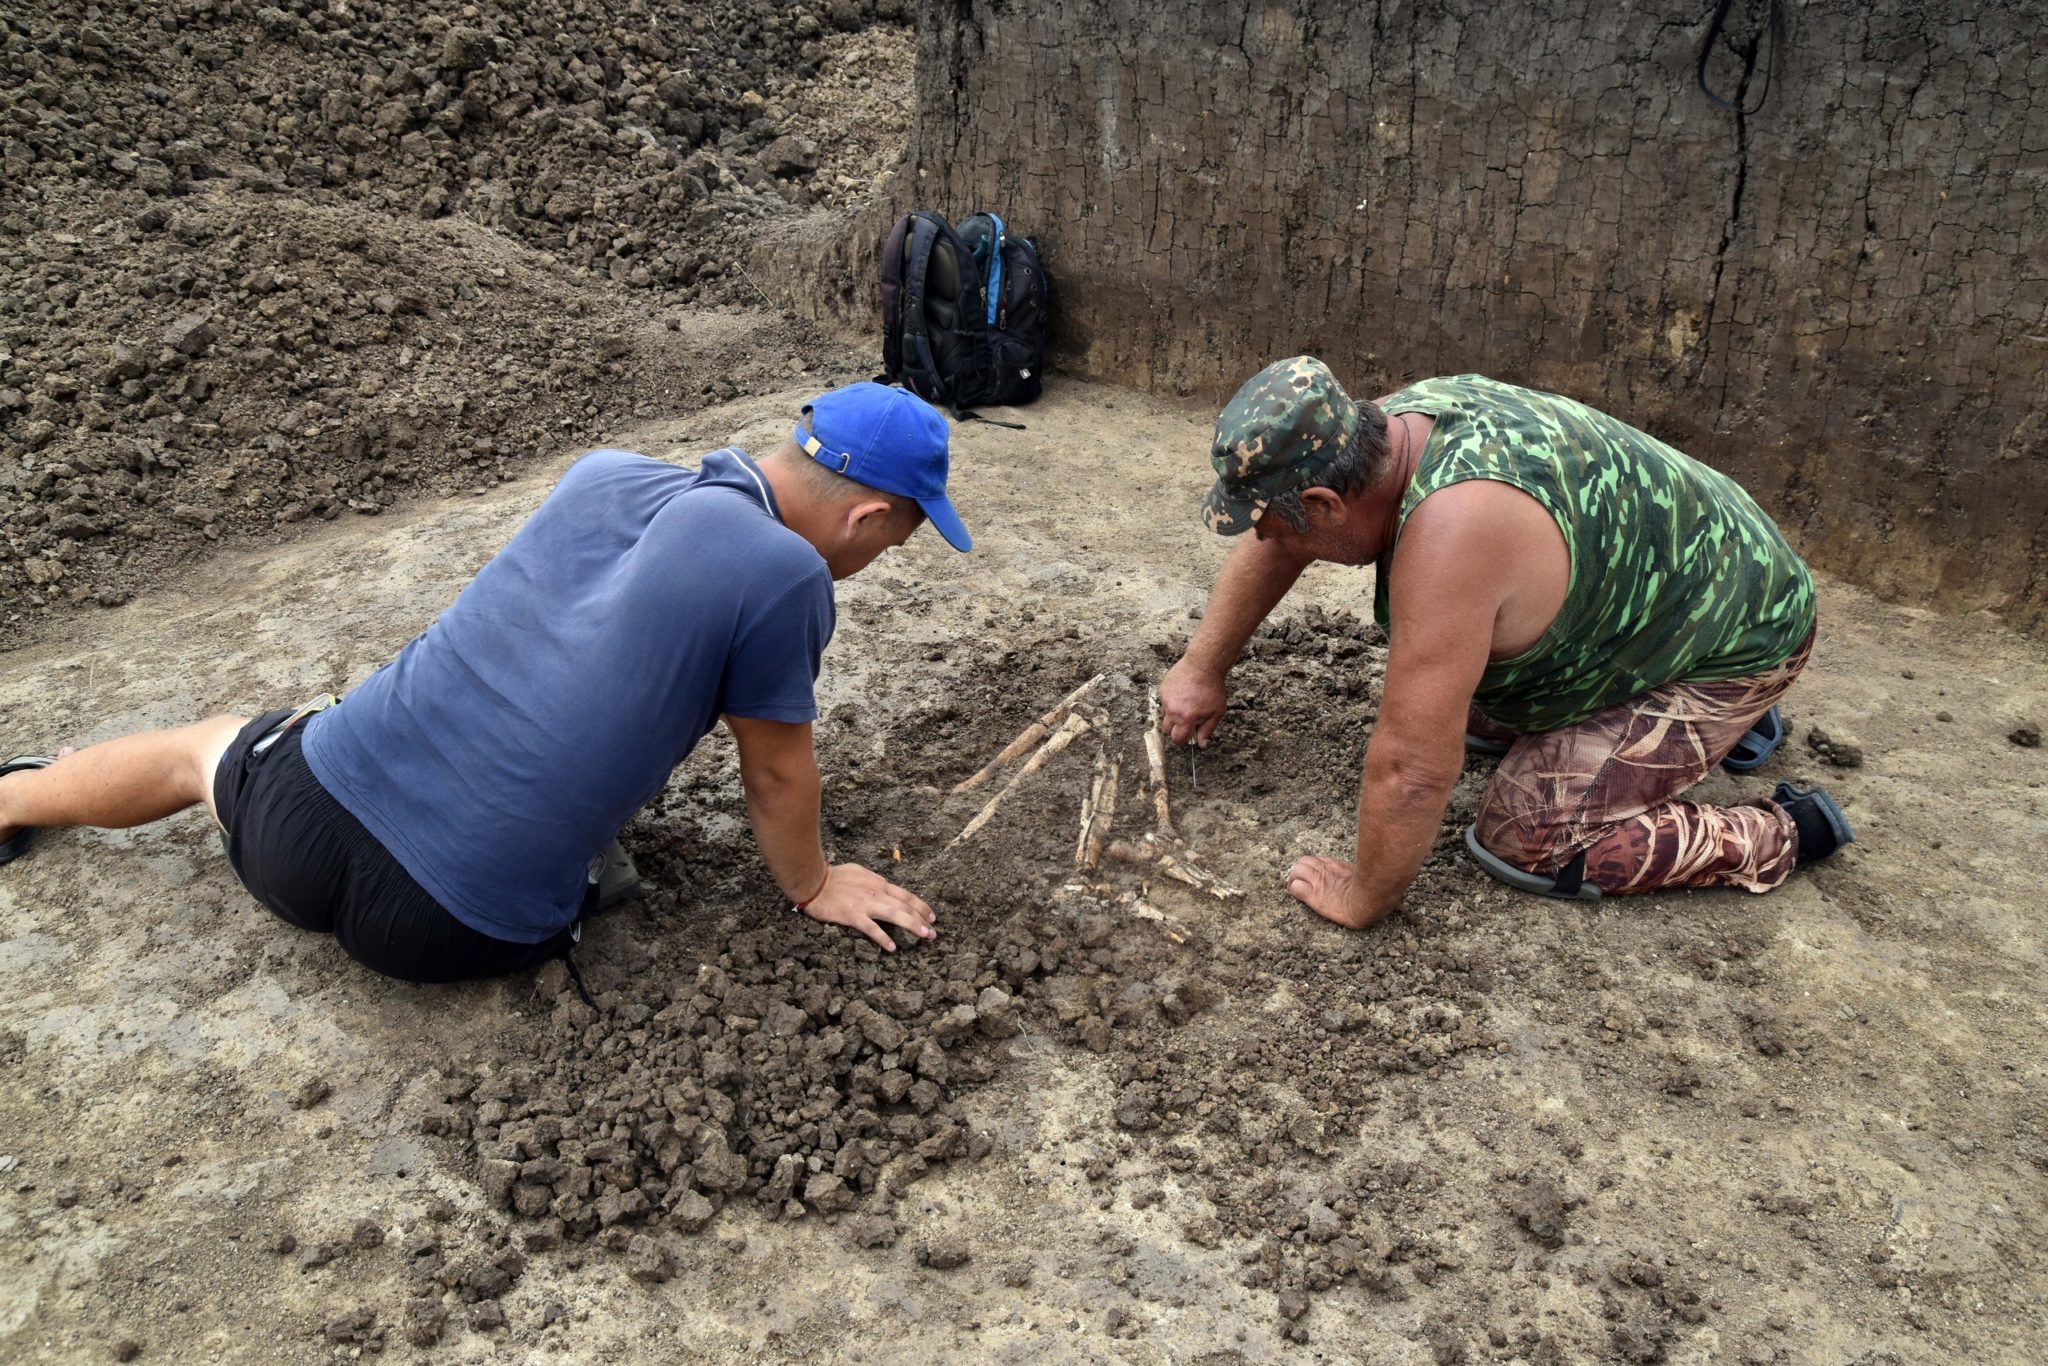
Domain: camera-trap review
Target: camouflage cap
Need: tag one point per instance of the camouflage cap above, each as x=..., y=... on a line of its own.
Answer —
x=1283, y=429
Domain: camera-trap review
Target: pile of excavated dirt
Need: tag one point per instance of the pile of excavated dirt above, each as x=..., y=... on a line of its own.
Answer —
x=260, y=264
x=796, y=1068
x=601, y=132
x=799, y=1072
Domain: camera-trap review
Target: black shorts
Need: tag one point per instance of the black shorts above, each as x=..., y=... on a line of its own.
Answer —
x=302, y=854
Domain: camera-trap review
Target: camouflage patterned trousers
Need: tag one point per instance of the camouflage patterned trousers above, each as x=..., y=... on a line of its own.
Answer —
x=1609, y=786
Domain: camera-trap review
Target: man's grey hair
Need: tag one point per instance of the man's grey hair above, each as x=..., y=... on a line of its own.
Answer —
x=1358, y=468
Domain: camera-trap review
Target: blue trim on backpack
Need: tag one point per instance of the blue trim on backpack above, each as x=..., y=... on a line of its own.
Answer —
x=995, y=270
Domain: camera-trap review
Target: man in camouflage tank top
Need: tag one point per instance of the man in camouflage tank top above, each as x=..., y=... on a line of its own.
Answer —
x=1546, y=573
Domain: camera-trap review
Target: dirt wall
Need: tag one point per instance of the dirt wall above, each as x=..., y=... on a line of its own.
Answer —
x=1838, y=297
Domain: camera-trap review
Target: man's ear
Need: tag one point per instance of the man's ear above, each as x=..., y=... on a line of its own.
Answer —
x=866, y=514
x=1322, y=505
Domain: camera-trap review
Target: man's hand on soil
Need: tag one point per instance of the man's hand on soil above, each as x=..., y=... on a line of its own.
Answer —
x=1329, y=887
x=866, y=901
x=1190, y=703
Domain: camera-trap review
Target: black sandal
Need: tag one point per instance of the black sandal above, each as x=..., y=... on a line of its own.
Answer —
x=1568, y=885
x=1759, y=744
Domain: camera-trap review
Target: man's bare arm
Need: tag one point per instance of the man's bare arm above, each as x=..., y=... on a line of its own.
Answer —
x=1443, y=599
x=779, y=771
x=1251, y=583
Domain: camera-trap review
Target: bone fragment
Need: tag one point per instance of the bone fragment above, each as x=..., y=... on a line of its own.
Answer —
x=1155, y=762
x=1070, y=730
x=1104, y=819
x=1026, y=738
x=1201, y=879
x=1123, y=851
x=1032, y=734
x=1089, y=805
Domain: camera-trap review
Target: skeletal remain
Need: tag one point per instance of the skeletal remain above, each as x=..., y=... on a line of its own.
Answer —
x=1098, y=808
x=1180, y=870
x=1088, y=806
x=1070, y=730
x=1161, y=848
x=1123, y=851
x=1032, y=734
x=1105, y=814
x=1175, y=860
x=1155, y=761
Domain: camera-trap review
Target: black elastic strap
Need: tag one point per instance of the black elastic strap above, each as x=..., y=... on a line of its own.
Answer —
x=1571, y=877
x=576, y=976
x=960, y=415
x=588, y=910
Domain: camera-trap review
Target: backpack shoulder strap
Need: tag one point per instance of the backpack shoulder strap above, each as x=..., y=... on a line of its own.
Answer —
x=892, y=294
x=918, y=363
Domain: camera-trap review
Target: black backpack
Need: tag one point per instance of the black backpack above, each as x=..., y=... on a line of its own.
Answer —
x=964, y=312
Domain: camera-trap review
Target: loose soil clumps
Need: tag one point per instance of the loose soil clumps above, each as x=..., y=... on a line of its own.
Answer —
x=791, y=1071
x=799, y=1071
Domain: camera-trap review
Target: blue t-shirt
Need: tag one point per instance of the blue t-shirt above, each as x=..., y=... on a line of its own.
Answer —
x=510, y=741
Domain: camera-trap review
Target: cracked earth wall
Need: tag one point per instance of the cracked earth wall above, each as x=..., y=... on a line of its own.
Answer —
x=1841, y=297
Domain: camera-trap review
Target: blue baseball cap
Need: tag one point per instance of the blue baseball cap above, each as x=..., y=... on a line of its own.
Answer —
x=888, y=439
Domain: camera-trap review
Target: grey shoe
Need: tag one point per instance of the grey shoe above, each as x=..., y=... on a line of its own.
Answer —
x=616, y=878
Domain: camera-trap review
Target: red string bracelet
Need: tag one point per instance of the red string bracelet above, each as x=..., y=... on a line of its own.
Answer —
x=805, y=904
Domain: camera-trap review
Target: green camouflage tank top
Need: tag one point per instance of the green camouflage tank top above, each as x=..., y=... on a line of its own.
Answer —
x=1675, y=571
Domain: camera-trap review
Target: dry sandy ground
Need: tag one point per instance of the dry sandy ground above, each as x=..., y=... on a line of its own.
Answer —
x=1806, y=1127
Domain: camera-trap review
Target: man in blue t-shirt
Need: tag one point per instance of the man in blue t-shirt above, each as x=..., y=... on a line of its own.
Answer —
x=450, y=819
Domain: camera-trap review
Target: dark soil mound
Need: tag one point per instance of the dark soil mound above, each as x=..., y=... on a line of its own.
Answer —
x=260, y=264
